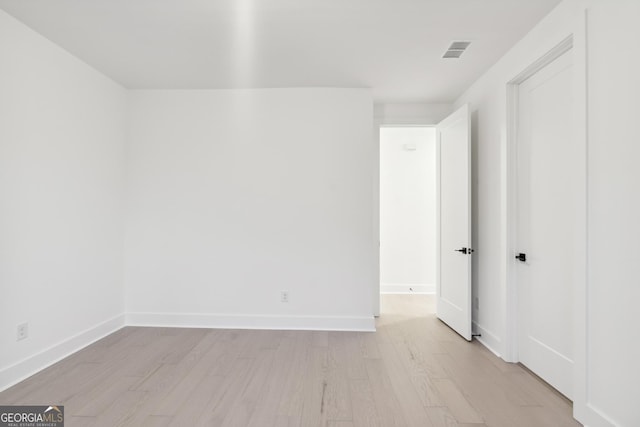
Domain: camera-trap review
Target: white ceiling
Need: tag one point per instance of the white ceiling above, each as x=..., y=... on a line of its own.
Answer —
x=392, y=46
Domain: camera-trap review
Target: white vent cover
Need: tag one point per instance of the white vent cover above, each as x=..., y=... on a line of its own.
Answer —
x=456, y=49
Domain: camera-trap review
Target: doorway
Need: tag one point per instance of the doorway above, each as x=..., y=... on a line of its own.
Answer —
x=407, y=209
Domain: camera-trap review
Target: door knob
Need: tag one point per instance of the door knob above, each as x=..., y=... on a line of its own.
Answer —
x=521, y=257
x=465, y=250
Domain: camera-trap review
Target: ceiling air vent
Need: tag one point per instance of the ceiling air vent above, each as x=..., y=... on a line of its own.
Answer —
x=456, y=49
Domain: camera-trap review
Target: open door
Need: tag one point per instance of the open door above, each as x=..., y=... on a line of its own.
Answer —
x=453, y=281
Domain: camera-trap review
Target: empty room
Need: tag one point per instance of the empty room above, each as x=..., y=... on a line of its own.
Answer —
x=325, y=213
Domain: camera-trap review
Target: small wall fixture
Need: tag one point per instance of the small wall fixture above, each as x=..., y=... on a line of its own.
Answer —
x=456, y=49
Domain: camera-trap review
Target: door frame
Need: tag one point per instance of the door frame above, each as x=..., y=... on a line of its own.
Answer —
x=513, y=89
x=576, y=41
x=524, y=147
x=428, y=116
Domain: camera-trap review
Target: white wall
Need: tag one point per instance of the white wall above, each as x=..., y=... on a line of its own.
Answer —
x=612, y=350
x=235, y=196
x=407, y=209
x=62, y=133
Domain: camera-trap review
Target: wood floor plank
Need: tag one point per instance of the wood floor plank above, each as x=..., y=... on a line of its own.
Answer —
x=542, y=394
x=365, y=413
x=389, y=408
x=292, y=400
x=176, y=379
x=191, y=410
x=483, y=392
x=99, y=402
x=442, y=417
x=156, y=421
x=23, y=392
x=286, y=421
x=355, y=358
x=336, y=403
x=57, y=389
x=534, y=416
x=182, y=345
x=233, y=345
x=266, y=410
x=457, y=403
x=402, y=383
x=191, y=378
x=73, y=421
x=225, y=395
x=340, y=424
x=147, y=358
x=421, y=376
x=121, y=407
x=242, y=410
x=320, y=339
x=315, y=388
x=368, y=345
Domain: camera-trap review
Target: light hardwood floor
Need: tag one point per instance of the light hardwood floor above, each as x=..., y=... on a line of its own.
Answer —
x=414, y=371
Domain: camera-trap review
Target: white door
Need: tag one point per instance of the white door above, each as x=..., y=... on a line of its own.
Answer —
x=454, y=222
x=548, y=176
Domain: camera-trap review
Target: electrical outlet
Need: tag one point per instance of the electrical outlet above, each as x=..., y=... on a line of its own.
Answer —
x=284, y=296
x=22, y=332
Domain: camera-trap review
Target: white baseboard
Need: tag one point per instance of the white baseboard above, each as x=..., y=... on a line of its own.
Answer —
x=404, y=288
x=19, y=371
x=229, y=321
x=487, y=339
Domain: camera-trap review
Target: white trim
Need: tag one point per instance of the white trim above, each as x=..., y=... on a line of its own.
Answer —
x=377, y=124
x=408, y=125
x=488, y=339
x=438, y=221
x=22, y=370
x=233, y=321
x=581, y=407
x=583, y=410
x=560, y=49
x=407, y=288
x=510, y=350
